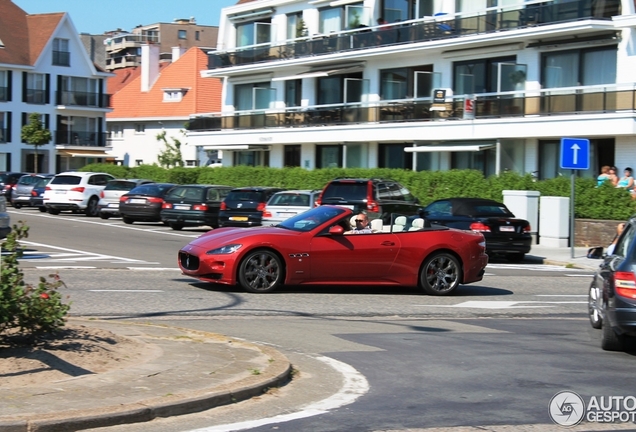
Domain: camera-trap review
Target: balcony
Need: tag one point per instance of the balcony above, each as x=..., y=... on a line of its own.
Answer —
x=61, y=58
x=80, y=139
x=127, y=60
x=84, y=99
x=4, y=94
x=35, y=96
x=422, y=30
x=550, y=102
x=129, y=41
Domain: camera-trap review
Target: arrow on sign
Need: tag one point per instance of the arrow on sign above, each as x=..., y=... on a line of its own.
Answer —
x=575, y=149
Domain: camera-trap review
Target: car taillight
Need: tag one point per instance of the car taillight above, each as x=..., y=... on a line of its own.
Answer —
x=155, y=200
x=479, y=227
x=47, y=188
x=318, y=201
x=260, y=207
x=101, y=194
x=34, y=193
x=527, y=229
x=200, y=207
x=166, y=205
x=223, y=206
x=79, y=189
x=267, y=213
x=625, y=284
x=373, y=206
x=122, y=198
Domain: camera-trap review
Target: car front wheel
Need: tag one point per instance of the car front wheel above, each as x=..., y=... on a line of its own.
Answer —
x=104, y=215
x=593, y=307
x=91, y=208
x=260, y=271
x=610, y=340
x=16, y=205
x=128, y=220
x=176, y=226
x=440, y=274
x=42, y=209
x=54, y=211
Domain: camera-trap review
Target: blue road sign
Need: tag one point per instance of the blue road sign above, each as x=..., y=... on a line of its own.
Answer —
x=575, y=153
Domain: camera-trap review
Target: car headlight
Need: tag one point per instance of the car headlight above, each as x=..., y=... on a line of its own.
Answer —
x=223, y=250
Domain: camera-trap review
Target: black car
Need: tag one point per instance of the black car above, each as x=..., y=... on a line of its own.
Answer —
x=504, y=233
x=243, y=207
x=193, y=205
x=143, y=203
x=612, y=295
x=38, y=191
x=378, y=198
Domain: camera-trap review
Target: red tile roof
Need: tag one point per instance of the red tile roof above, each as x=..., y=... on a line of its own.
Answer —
x=203, y=94
x=23, y=35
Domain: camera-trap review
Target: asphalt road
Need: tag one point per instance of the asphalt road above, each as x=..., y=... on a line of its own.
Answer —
x=492, y=354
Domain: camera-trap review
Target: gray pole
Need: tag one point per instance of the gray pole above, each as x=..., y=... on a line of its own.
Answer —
x=572, y=215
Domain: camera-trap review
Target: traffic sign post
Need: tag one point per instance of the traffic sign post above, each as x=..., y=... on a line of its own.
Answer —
x=575, y=155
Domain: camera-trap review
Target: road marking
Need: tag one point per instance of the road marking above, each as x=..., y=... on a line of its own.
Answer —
x=476, y=304
x=80, y=255
x=104, y=290
x=542, y=267
x=154, y=268
x=354, y=386
x=579, y=275
x=64, y=267
x=560, y=295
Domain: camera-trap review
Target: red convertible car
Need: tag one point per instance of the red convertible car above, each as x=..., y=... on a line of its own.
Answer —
x=315, y=248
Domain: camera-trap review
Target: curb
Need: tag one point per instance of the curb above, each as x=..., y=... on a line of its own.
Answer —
x=278, y=373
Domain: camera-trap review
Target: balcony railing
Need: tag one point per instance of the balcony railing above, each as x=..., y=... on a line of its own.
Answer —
x=422, y=30
x=550, y=102
x=35, y=96
x=61, y=58
x=128, y=41
x=83, y=139
x=84, y=99
x=123, y=61
x=4, y=94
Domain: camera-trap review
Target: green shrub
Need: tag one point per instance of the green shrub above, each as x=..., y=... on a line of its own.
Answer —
x=27, y=312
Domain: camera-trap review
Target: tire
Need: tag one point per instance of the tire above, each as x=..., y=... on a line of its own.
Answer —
x=610, y=340
x=104, y=215
x=440, y=274
x=261, y=271
x=594, y=307
x=515, y=257
x=91, y=208
x=53, y=211
x=16, y=205
x=176, y=226
x=127, y=220
x=42, y=209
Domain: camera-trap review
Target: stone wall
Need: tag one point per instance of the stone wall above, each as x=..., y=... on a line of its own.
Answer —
x=593, y=232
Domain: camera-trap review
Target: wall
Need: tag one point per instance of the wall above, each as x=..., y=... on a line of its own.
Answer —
x=590, y=233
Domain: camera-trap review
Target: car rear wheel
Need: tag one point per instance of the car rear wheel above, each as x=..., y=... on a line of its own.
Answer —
x=593, y=307
x=515, y=257
x=54, y=211
x=260, y=271
x=176, y=226
x=104, y=215
x=16, y=205
x=91, y=208
x=128, y=220
x=42, y=209
x=440, y=274
x=610, y=340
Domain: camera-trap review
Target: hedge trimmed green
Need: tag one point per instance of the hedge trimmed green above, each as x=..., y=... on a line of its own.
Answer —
x=604, y=202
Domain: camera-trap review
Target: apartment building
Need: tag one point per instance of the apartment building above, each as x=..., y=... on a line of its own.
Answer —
x=491, y=85
x=44, y=69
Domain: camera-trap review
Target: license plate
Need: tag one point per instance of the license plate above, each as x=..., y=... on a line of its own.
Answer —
x=287, y=214
x=507, y=229
x=137, y=201
x=113, y=205
x=238, y=218
x=182, y=207
x=60, y=191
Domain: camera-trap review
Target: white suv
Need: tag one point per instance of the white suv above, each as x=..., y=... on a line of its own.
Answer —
x=76, y=191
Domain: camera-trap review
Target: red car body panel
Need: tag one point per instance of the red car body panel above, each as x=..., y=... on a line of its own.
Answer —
x=316, y=257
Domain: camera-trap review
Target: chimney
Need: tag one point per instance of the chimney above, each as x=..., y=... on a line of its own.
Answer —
x=149, y=66
x=177, y=52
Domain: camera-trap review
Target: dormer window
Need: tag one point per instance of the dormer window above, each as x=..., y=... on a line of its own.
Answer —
x=174, y=94
x=61, y=54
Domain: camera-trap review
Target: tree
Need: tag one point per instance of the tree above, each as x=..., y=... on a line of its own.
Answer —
x=171, y=156
x=36, y=134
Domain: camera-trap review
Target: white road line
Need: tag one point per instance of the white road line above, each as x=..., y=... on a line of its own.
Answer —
x=579, y=275
x=560, y=295
x=92, y=255
x=64, y=267
x=476, y=304
x=354, y=386
x=542, y=267
x=153, y=268
x=135, y=291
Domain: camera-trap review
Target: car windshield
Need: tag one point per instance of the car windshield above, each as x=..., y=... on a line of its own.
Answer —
x=310, y=219
x=28, y=180
x=244, y=195
x=289, y=199
x=189, y=193
x=66, y=180
x=120, y=185
x=482, y=209
x=151, y=190
x=43, y=181
x=346, y=191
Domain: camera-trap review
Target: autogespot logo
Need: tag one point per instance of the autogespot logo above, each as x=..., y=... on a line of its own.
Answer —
x=567, y=408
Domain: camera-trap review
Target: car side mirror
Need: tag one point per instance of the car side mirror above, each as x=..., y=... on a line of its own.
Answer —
x=595, y=252
x=336, y=230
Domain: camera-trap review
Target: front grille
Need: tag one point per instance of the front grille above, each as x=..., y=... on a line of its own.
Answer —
x=189, y=262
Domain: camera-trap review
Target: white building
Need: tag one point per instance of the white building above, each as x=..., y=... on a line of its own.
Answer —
x=515, y=77
x=45, y=69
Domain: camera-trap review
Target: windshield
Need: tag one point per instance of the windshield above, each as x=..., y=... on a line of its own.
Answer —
x=348, y=191
x=311, y=219
x=66, y=180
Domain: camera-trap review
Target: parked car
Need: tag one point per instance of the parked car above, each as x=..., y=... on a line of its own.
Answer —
x=7, y=180
x=379, y=198
x=312, y=248
x=193, y=205
x=5, y=219
x=612, y=295
x=243, y=207
x=21, y=191
x=504, y=233
x=109, y=197
x=144, y=202
x=75, y=191
x=285, y=204
x=37, y=193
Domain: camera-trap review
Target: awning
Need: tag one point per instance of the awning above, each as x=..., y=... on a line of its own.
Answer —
x=322, y=73
x=237, y=147
x=450, y=148
x=83, y=153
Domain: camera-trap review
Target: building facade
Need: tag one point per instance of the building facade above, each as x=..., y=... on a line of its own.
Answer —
x=45, y=69
x=491, y=85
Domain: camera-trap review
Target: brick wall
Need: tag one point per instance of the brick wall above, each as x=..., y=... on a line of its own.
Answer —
x=591, y=232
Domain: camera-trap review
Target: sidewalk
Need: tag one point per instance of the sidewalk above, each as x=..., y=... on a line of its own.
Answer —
x=562, y=256
x=191, y=371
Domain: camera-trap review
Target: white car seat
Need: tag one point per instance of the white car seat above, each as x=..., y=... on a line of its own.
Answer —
x=417, y=224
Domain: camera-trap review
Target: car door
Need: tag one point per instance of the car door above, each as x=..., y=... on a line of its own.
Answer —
x=354, y=257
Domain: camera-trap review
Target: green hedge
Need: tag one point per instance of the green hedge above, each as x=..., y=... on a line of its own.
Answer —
x=592, y=202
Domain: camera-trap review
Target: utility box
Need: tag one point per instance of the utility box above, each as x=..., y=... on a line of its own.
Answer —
x=525, y=205
x=554, y=221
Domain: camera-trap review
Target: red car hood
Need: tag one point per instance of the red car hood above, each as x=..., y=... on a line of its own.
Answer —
x=228, y=235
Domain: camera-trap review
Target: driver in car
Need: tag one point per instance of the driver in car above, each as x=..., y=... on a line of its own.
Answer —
x=362, y=225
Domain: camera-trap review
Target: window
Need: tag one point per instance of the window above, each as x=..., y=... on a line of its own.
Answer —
x=484, y=161
x=478, y=76
x=172, y=95
x=61, y=54
x=183, y=34
x=293, y=93
x=394, y=156
x=253, y=96
x=405, y=83
x=579, y=67
x=114, y=131
x=78, y=91
x=191, y=163
x=330, y=20
x=251, y=158
x=140, y=128
x=329, y=156
x=403, y=10
x=292, y=156
x=197, y=35
x=5, y=85
x=75, y=130
x=357, y=155
x=296, y=26
x=5, y=127
x=601, y=153
x=35, y=88
x=331, y=89
x=253, y=33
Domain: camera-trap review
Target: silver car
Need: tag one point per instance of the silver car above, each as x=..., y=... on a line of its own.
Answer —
x=109, y=197
x=285, y=204
x=21, y=191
